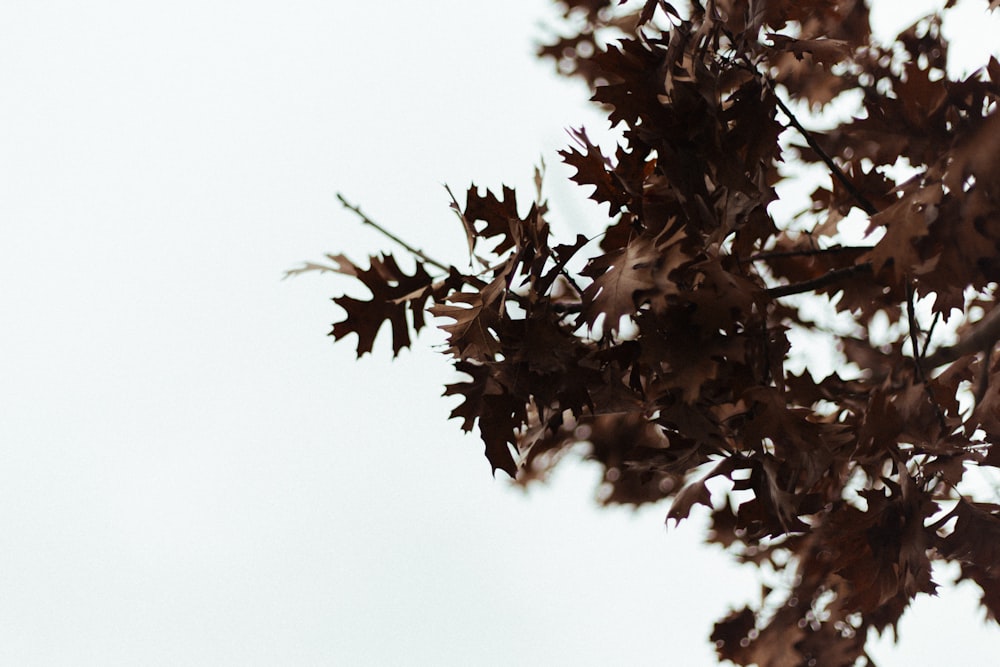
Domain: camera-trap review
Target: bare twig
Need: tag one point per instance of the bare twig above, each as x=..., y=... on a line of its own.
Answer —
x=392, y=237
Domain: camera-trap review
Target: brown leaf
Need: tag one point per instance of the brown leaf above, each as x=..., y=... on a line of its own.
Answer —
x=975, y=539
x=697, y=493
x=618, y=276
x=500, y=216
x=826, y=51
x=477, y=318
x=387, y=284
x=906, y=222
x=592, y=168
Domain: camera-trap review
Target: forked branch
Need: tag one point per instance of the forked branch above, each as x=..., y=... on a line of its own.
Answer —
x=981, y=338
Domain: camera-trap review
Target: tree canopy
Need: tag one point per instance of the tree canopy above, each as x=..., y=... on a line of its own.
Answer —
x=663, y=343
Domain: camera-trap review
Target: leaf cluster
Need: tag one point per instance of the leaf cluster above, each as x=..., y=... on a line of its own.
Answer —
x=663, y=344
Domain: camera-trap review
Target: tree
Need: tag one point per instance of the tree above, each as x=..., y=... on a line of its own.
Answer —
x=663, y=342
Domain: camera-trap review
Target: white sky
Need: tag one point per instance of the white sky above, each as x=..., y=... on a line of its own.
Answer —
x=191, y=473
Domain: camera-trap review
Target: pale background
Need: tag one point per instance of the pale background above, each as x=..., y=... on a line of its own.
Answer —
x=191, y=473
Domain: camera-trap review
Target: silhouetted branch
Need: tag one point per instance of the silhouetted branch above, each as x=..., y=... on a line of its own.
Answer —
x=930, y=332
x=983, y=336
x=777, y=254
x=911, y=319
x=837, y=172
x=827, y=278
x=392, y=237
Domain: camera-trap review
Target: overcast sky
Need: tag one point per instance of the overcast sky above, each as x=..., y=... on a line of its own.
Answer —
x=191, y=472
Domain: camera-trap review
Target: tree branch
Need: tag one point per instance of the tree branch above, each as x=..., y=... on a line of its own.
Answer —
x=827, y=278
x=392, y=237
x=984, y=377
x=930, y=332
x=983, y=336
x=911, y=319
x=471, y=280
x=776, y=254
x=837, y=172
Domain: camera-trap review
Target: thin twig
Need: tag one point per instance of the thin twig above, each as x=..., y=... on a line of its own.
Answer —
x=392, y=237
x=984, y=335
x=827, y=278
x=837, y=172
x=930, y=332
x=911, y=319
x=776, y=254
x=562, y=262
x=944, y=519
x=471, y=280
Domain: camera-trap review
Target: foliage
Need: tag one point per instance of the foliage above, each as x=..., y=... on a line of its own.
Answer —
x=667, y=351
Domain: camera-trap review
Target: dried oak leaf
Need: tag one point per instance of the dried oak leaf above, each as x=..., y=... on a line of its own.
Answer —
x=497, y=413
x=732, y=631
x=632, y=450
x=736, y=639
x=618, y=275
x=697, y=493
x=471, y=391
x=975, y=540
x=773, y=510
x=593, y=168
x=630, y=68
x=986, y=414
x=827, y=51
x=393, y=292
x=990, y=586
x=878, y=433
x=500, y=216
x=473, y=334
x=629, y=276
x=880, y=555
x=906, y=222
x=650, y=8
x=722, y=297
x=922, y=98
x=978, y=158
x=808, y=80
x=798, y=438
x=499, y=418
x=975, y=543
